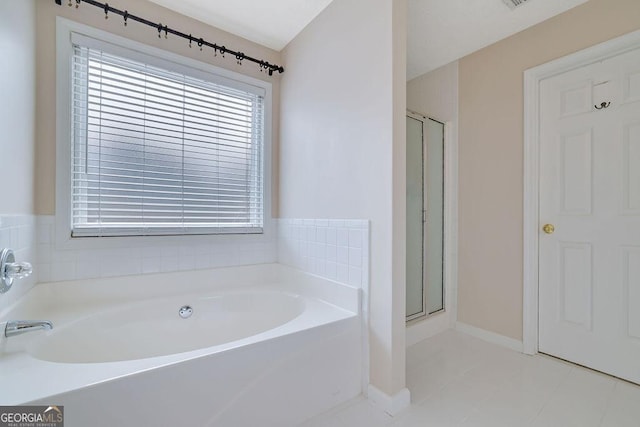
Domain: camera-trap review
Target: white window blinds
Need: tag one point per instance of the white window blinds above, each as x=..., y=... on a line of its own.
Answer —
x=161, y=152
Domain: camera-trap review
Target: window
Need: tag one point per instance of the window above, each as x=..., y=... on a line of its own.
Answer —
x=161, y=149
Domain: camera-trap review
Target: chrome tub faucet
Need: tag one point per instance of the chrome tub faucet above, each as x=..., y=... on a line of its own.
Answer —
x=17, y=327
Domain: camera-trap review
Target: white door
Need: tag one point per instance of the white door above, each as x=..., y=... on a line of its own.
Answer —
x=589, y=271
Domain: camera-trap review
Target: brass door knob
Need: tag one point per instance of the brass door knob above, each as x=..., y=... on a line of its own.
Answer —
x=548, y=228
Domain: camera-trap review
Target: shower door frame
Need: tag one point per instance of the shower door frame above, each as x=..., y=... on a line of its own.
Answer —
x=422, y=313
x=450, y=226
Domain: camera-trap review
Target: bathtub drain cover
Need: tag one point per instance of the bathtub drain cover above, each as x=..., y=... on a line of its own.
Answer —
x=185, y=311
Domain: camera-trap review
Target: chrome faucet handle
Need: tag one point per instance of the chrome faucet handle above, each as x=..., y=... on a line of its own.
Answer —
x=10, y=269
x=18, y=270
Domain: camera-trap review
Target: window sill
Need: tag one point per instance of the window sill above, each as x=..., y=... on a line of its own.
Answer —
x=64, y=241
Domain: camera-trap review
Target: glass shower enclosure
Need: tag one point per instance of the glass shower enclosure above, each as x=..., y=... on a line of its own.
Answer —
x=425, y=216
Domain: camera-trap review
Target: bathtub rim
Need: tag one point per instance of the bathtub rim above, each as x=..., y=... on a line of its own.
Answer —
x=108, y=290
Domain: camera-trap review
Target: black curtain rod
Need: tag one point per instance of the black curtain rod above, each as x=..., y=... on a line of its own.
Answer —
x=240, y=56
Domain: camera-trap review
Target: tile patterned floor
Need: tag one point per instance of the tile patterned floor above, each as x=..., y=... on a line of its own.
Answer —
x=458, y=380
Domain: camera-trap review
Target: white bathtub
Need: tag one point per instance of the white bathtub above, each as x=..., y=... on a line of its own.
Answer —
x=264, y=345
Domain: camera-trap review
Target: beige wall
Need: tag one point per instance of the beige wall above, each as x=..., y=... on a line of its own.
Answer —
x=17, y=105
x=435, y=94
x=491, y=155
x=46, y=78
x=341, y=95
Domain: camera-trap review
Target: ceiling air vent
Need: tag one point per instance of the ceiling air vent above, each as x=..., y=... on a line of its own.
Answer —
x=514, y=3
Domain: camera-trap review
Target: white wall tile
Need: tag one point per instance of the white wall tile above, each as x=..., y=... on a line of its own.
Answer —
x=355, y=276
x=44, y=234
x=354, y=223
x=355, y=238
x=355, y=256
x=343, y=273
x=203, y=260
x=332, y=253
x=63, y=270
x=343, y=254
x=18, y=232
x=87, y=268
x=343, y=237
x=321, y=267
x=44, y=271
x=308, y=233
x=186, y=258
x=335, y=249
x=332, y=236
x=122, y=264
x=56, y=264
x=5, y=237
x=332, y=270
x=151, y=252
x=151, y=265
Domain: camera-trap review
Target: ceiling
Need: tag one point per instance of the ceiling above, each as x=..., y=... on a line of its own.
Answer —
x=271, y=23
x=440, y=31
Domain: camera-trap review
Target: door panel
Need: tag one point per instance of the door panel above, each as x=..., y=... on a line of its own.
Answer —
x=589, y=272
x=575, y=284
x=631, y=167
x=576, y=173
x=434, y=226
x=631, y=88
x=415, y=230
x=631, y=271
x=576, y=100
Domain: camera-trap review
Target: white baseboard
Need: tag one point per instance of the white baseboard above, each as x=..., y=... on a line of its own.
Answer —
x=392, y=405
x=491, y=337
x=419, y=330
